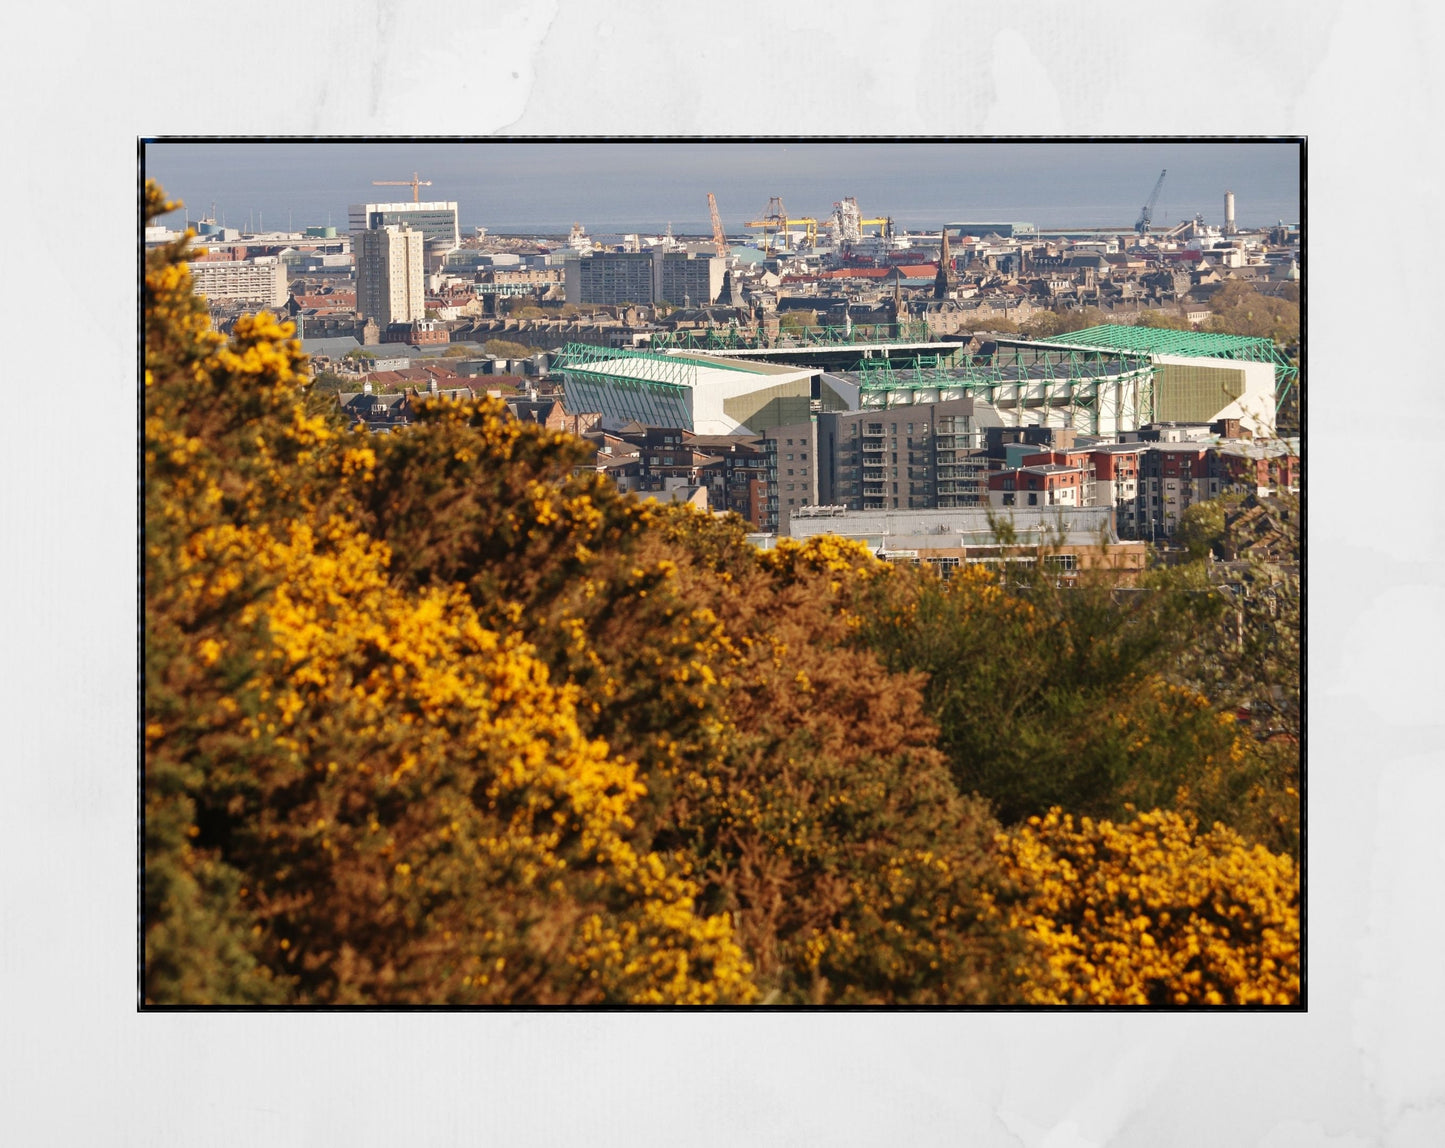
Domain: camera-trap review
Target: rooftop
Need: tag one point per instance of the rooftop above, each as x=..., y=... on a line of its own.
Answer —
x=1157, y=341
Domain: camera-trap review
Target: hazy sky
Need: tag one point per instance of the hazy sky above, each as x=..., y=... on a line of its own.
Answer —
x=634, y=185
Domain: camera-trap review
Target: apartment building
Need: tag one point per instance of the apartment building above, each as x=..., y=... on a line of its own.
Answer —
x=1047, y=484
x=614, y=278
x=1172, y=477
x=920, y=456
x=390, y=284
x=261, y=281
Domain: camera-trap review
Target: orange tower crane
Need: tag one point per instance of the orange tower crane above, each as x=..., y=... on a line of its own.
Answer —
x=414, y=183
x=719, y=237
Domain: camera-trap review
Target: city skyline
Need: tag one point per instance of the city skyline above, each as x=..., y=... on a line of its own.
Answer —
x=632, y=185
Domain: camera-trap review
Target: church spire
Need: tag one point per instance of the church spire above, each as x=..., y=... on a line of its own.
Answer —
x=942, y=281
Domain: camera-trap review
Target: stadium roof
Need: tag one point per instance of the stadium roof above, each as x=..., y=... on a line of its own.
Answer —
x=1158, y=341
x=1187, y=344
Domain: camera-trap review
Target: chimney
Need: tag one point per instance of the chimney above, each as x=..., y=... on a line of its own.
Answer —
x=366, y=387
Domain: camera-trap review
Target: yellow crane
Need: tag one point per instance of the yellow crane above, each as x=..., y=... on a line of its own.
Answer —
x=414, y=183
x=776, y=222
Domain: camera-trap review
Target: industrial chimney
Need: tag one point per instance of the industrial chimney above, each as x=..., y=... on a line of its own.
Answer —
x=1229, y=228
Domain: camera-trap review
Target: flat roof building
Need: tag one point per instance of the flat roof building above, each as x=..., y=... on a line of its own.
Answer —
x=436, y=220
x=656, y=276
x=260, y=281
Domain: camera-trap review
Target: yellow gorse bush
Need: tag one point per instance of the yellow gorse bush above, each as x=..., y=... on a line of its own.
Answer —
x=1152, y=912
x=358, y=792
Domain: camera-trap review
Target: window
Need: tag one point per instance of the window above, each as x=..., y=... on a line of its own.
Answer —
x=1033, y=499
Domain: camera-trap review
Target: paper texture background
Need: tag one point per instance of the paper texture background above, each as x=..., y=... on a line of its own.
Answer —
x=1364, y=1066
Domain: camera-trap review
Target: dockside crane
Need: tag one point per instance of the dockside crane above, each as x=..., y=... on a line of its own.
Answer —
x=776, y=223
x=1146, y=214
x=414, y=183
x=719, y=237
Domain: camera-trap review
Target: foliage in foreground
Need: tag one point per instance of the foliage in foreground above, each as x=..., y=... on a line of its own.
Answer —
x=429, y=717
x=1152, y=912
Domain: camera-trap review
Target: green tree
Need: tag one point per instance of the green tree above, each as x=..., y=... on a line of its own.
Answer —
x=1048, y=695
x=1249, y=661
x=506, y=349
x=329, y=382
x=1164, y=320
x=1238, y=309
x=1201, y=528
x=1060, y=320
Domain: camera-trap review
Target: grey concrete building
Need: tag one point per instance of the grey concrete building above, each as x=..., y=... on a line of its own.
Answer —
x=390, y=284
x=613, y=278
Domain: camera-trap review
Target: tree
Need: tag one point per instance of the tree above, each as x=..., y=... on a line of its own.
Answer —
x=1249, y=662
x=506, y=349
x=1201, y=528
x=1164, y=320
x=1046, y=324
x=787, y=772
x=1047, y=695
x=1240, y=310
x=329, y=382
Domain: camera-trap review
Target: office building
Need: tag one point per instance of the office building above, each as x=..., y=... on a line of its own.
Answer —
x=437, y=221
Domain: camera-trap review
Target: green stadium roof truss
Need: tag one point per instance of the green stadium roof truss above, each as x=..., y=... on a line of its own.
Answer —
x=732, y=338
x=1068, y=377
x=1186, y=344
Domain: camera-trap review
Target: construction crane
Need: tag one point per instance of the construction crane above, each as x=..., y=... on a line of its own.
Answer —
x=719, y=237
x=776, y=222
x=1146, y=214
x=414, y=183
